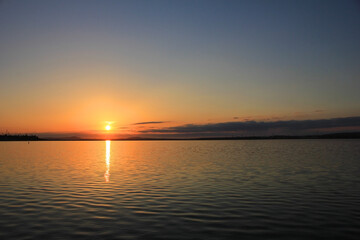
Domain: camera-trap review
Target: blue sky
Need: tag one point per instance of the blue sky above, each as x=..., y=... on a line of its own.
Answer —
x=185, y=62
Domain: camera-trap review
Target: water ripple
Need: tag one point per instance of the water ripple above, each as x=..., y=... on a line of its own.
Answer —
x=180, y=190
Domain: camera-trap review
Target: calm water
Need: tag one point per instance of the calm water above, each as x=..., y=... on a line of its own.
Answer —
x=276, y=189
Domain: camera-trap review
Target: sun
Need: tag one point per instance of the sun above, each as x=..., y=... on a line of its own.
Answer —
x=108, y=123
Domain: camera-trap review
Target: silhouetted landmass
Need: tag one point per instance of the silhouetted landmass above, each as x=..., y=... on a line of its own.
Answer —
x=25, y=137
x=346, y=135
x=350, y=135
x=19, y=137
x=342, y=135
x=70, y=138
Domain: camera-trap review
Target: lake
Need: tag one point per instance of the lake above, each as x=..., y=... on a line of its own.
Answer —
x=259, y=189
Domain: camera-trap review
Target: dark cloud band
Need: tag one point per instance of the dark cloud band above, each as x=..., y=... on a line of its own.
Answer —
x=254, y=126
x=143, y=123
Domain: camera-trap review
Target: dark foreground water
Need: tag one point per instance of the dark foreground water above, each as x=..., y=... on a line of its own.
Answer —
x=272, y=189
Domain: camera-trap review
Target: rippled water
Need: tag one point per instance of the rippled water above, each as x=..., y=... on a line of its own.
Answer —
x=289, y=189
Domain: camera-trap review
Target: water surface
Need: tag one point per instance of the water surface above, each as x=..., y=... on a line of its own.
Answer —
x=271, y=189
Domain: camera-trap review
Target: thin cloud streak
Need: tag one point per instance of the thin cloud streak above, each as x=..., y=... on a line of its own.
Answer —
x=143, y=123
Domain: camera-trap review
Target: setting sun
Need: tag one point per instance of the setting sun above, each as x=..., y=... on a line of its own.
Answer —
x=108, y=127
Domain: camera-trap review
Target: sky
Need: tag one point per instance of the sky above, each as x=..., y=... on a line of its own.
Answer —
x=179, y=68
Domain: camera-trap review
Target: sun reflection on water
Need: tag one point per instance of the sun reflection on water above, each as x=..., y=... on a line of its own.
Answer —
x=107, y=160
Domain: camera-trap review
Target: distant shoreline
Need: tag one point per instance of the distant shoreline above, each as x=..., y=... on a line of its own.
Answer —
x=351, y=135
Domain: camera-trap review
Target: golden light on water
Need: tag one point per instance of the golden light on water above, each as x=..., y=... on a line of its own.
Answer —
x=107, y=161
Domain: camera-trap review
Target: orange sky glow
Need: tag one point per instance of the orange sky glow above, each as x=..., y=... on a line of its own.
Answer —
x=64, y=72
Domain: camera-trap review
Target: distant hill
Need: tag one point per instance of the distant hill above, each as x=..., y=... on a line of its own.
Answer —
x=19, y=137
x=70, y=138
x=346, y=135
x=341, y=135
x=26, y=137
